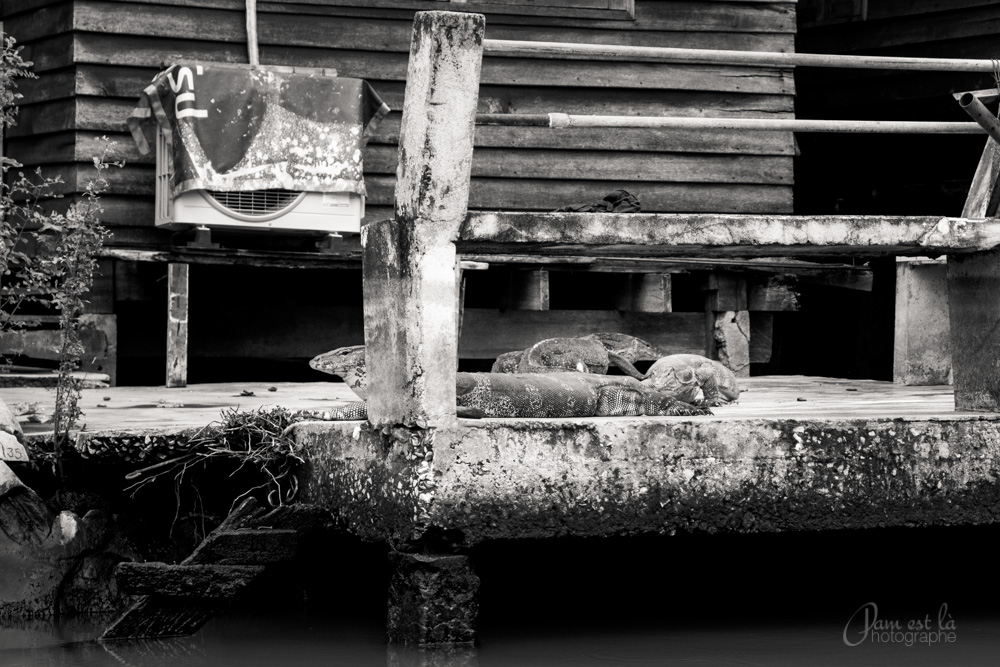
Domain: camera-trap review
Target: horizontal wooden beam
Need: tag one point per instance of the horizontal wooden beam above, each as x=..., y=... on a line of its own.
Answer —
x=677, y=265
x=858, y=277
x=672, y=234
x=347, y=258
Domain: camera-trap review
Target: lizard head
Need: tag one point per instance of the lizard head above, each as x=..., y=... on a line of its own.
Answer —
x=630, y=348
x=346, y=362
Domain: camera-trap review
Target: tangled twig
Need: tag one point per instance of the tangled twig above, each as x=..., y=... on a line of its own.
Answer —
x=254, y=437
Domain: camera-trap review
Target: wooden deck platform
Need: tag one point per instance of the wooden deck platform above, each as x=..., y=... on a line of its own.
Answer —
x=774, y=397
x=142, y=408
x=768, y=397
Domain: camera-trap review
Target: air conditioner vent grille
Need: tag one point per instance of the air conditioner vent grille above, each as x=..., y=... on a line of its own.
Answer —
x=256, y=203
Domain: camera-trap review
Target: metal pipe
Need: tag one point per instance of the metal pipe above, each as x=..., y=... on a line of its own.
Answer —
x=519, y=49
x=253, y=54
x=561, y=120
x=513, y=120
x=975, y=108
x=986, y=95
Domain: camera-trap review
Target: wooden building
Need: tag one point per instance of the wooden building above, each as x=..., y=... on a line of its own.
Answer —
x=251, y=314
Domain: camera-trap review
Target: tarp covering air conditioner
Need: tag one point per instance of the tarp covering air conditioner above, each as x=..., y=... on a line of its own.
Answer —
x=241, y=128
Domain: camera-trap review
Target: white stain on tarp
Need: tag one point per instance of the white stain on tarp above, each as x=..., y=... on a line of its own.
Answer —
x=263, y=130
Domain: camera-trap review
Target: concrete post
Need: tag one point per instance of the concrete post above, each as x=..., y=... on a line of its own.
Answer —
x=974, y=309
x=410, y=264
x=922, y=345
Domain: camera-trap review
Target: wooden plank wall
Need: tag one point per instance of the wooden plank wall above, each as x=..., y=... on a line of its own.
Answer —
x=895, y=175
x=94, y=57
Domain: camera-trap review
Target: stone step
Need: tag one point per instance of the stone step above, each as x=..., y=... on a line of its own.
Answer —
x=213, y=582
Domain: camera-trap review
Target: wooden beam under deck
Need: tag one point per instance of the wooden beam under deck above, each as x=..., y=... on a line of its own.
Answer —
x=349, y=257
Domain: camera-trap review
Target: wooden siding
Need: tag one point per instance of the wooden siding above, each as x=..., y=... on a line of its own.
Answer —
x=93, y=57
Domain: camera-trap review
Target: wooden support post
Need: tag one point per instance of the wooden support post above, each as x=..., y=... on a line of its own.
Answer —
x=761, y=337
x=177, y=324
x=766, y=296
x=725, y=291
x=646, y=293
x=983, y=196
x=729, y=339
x=526, y=290
x=973, y=285
x=464, y=266
x=410, y=262
x=727, y=322
x=775, y=294
x=101, y=297
x=922, y=344
x=99, y=334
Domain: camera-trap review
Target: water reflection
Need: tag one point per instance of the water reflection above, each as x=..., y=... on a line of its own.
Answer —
x=778, y=600
x=432, y=656
x=303, y=640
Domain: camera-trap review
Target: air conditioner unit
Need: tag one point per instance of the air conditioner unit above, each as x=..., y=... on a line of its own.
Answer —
x=326, y=212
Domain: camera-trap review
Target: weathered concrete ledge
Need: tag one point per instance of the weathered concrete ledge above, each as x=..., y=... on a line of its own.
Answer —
x=499, y=479
x=672, y=234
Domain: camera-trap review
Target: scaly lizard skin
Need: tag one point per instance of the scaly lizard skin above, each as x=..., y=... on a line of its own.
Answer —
x=531, y=395
x=346, y=362
x=683, y=375
x=587, y=354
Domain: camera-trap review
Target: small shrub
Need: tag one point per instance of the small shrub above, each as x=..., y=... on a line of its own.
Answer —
x=47, y=256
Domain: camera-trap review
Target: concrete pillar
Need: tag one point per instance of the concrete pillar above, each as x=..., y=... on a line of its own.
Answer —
x=922, y=347
x=973, y=286
x=433, y=599
x=410, y=266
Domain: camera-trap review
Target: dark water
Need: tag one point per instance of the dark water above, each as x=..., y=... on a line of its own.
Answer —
x=304, y=640
x=698, y=600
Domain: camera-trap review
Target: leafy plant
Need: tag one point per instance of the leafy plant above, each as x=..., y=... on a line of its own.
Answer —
x=64, y=265
x=13, y=230
x=48, y=256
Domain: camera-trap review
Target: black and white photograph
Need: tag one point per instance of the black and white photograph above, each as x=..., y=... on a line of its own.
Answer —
x=499, y=333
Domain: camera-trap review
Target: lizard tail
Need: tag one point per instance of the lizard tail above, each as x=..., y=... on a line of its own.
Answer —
x=356, y=410
x=625, y=365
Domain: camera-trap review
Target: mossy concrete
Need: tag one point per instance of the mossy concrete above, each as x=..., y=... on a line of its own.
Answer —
x=502, y=479
x=729, y=235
